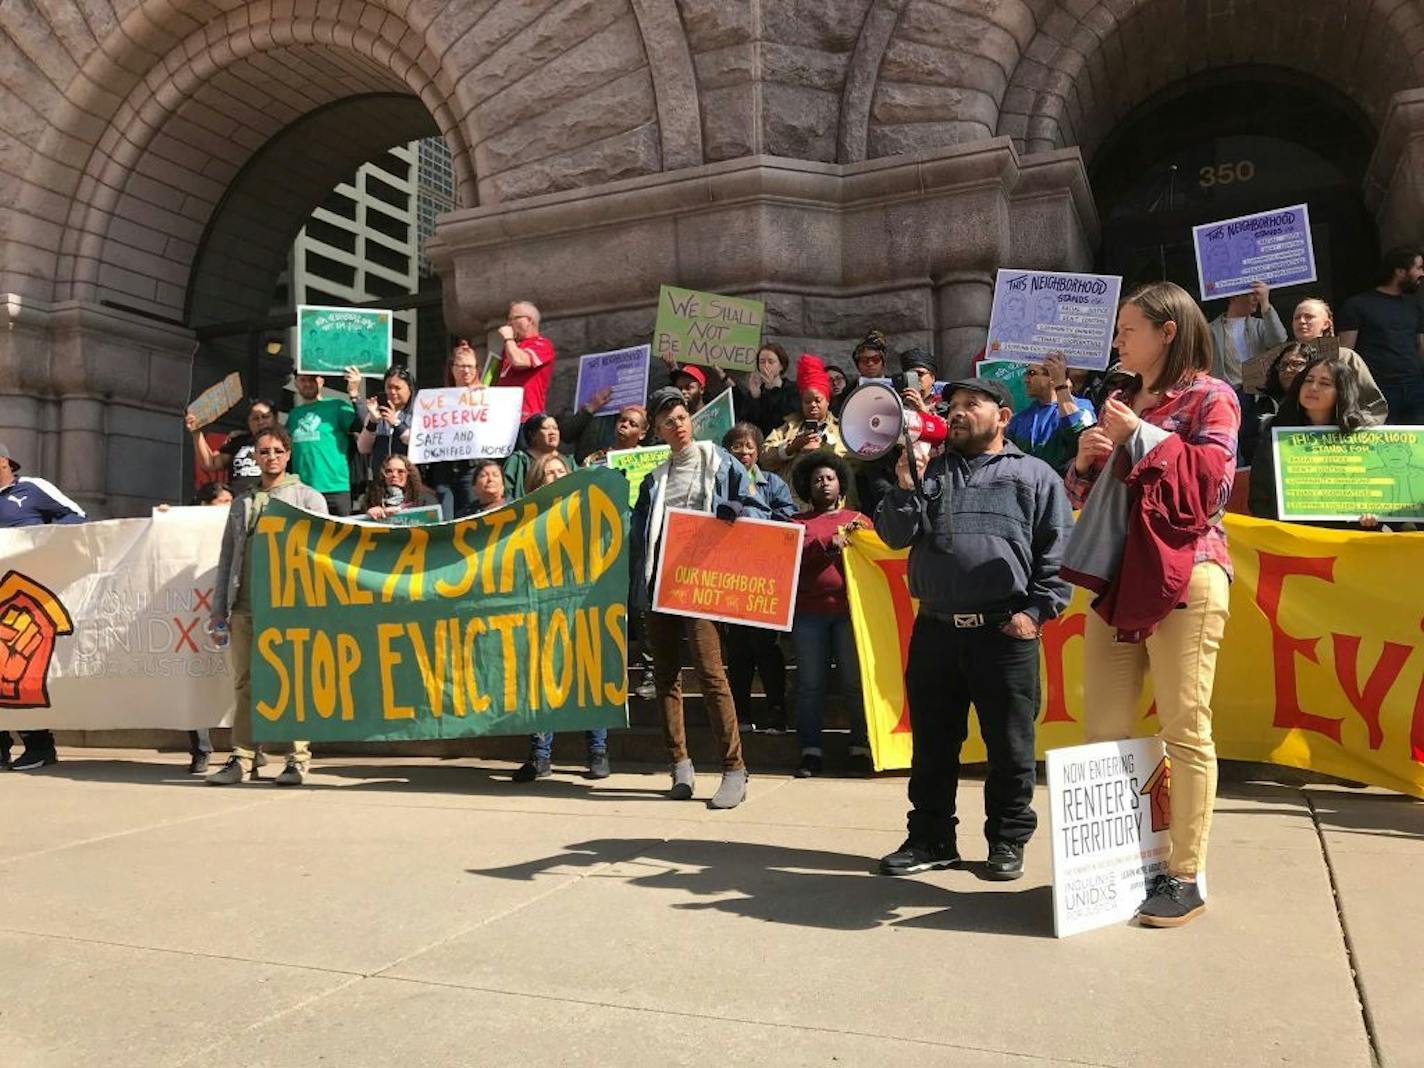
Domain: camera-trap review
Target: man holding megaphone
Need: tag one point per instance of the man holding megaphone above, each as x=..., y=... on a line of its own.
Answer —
x=986, y=526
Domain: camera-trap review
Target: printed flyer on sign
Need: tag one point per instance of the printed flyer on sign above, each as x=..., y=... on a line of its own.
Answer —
x=329, y=340
x=624, y=371
x=1271, y=246
x=1108, y=816
x=456, y=423
x=1324, y=474
x=636, y=464
x=1039, y=312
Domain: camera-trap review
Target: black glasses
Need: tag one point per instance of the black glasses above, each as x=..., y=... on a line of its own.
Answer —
x=271, y=452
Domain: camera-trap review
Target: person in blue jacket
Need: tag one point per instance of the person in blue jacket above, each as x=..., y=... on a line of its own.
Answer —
x=31, y=502
x=703, y=476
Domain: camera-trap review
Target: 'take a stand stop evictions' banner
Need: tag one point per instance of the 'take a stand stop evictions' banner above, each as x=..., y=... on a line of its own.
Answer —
x=1321, y=666
x=510, y=622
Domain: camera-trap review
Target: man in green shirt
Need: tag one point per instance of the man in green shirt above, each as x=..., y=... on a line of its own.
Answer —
x=321, y=437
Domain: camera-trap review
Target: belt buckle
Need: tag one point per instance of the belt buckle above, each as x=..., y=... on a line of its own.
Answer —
x=964, y=620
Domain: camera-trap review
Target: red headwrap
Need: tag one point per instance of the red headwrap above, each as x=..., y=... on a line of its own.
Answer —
x=811, y=374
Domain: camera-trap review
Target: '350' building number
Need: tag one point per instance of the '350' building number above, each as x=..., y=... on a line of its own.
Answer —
x=1226, y=173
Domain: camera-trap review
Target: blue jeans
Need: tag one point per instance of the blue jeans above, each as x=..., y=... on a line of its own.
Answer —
x=541, y=745
x=1406, y=402
x=817, y=638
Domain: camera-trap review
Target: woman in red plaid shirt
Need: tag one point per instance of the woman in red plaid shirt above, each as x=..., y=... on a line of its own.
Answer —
x=1152, y=479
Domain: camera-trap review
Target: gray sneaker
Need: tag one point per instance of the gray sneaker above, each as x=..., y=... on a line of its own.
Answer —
x=683, y=781
x=294, y=774
x=228, y=775
x=731, y=791
x=646, y=689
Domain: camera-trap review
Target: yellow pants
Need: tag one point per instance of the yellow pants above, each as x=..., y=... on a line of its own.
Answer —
x=240, y=662
x=1181, y=655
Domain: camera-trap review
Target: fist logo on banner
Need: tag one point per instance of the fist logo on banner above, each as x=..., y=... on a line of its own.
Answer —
x=31, y=618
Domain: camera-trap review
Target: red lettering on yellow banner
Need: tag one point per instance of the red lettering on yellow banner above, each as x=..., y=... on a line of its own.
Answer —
x=895, y=578
x=1275, y=569
x=1368, y=702
x=1056, y=634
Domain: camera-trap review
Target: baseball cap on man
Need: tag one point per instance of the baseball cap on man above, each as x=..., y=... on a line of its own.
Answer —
x=990, y=387
x=5, y=455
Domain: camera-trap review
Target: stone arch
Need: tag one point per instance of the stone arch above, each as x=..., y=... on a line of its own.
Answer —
x=1075, y=80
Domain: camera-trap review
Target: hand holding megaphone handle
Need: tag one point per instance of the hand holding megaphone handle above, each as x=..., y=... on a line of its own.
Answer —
x=912, y=462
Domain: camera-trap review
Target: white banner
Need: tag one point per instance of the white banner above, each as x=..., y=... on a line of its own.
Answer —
x=455, y=423
x=102, y=624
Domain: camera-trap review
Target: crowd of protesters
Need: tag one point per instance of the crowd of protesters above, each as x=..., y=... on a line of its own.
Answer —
x=987, y=518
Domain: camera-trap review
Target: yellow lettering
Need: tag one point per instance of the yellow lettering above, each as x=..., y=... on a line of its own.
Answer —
x=523, y=541
x=269, y=526
x=478, y=701
x=505, y=624
x=412, y=560
x=365, y=542
x=298, y=637
x=566, y=538
x=297, y=567
x=531, y=629
x=496, y=522
x=457, y=667
x=389, y=658
x=588, y=638
x=557, y=643
x=323, y=676
x=615, y=617
x=348, y=656
x=605, y=532
x=433, y=677
x=265, y=648
x=332, y=535
x=472, y=565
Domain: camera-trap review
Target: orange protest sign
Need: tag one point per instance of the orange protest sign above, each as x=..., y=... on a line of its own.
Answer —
x=742, y=572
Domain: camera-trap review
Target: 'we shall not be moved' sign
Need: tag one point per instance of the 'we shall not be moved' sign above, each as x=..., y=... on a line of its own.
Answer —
x=708, y=329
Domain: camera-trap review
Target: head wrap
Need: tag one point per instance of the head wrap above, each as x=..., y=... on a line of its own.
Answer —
x=811, y=374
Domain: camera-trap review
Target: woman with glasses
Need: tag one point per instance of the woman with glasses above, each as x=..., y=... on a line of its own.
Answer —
x=396, y=486
x=449, y=480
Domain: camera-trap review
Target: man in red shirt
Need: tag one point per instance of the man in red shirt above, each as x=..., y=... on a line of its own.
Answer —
x=527, y=358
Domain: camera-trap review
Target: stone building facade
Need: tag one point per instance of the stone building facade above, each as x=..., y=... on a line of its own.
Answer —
x=854, y=163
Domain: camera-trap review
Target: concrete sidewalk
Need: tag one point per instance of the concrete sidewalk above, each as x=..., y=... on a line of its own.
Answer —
x=426, y=913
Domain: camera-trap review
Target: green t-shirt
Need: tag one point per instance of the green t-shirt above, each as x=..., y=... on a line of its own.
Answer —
x=320, y=443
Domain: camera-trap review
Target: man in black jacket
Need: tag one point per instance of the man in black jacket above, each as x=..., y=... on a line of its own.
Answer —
x=985, y=543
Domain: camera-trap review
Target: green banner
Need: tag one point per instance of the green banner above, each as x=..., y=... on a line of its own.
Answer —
x=329, y=340
x=714, y=419
x=1324, y=474
x=505, y=623
x=635, y=465
x=708, y=328
x=1011, y=374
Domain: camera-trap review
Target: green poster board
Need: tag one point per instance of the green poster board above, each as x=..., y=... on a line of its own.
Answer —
x=420, y=516
x=1010, y=374
x=708, y=329
x=715, y=418
x=635, y=465
x=509, y=622
x=1324, y=474
x=329, y=340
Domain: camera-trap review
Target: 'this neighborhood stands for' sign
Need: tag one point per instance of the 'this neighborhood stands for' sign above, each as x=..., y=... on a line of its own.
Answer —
x=1270, y=246
x=703, y=569
x=708, y=329
x=329, y=340
x=1324, y=474
x=1038, y=312
x=505, y=623
x=456, y=423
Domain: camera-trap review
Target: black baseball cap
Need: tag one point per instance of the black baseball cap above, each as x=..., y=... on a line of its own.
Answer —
x=990, y=387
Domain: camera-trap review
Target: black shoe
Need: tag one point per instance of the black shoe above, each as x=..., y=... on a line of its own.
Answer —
x=31, y=761
x=860, y=765
x=531, y=770
x=4, y=760
x=598, y=765
x=914, y=857
x=1170, y=902
x=810, y=765
x=1005, y=861
x=199, y=764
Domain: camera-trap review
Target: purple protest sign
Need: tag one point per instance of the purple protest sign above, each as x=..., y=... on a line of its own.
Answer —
x=1271, y=246
x=625, y=371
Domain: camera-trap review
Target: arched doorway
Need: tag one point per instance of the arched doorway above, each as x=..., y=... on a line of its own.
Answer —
x=1229, y=142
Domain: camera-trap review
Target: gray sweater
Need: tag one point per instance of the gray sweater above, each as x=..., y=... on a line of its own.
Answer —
x=242, y=517
x=988, y=538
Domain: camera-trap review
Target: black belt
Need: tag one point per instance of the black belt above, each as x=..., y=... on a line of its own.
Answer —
x=968, y=620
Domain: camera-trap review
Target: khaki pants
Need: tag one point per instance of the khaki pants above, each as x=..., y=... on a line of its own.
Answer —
x=240, y=654
x=1181, y=655
x=665, y=636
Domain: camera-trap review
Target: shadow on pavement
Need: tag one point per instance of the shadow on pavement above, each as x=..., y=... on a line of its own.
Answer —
x=801, y=887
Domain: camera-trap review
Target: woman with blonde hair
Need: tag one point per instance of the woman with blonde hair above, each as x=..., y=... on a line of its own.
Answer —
x=1152, y=479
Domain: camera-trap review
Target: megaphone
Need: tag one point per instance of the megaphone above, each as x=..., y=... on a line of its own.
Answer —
x=874, y=419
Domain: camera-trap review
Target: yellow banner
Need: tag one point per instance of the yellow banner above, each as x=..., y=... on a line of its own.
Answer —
x=1322, y=665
